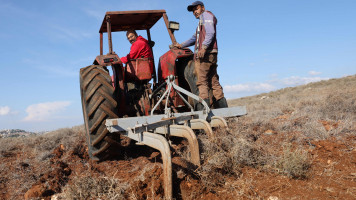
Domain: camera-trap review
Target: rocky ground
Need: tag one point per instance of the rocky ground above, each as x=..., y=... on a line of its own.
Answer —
x=295, y=143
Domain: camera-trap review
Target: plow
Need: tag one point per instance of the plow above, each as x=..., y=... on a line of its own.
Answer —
x=136, y=103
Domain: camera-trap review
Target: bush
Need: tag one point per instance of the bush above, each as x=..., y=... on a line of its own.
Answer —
x=294, y=163
x=87, y=187
x=226, y=154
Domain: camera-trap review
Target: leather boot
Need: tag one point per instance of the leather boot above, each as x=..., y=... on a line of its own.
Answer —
x=221, y=103
x=200, y=106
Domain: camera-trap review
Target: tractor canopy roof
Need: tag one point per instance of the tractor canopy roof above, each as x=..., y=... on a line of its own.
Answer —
x=127, y=20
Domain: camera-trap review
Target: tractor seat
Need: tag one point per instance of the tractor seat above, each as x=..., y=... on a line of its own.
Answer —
x=139, y=69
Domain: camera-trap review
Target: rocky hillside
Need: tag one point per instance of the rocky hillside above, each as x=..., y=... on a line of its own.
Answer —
x=14, y=133
x=295, y=143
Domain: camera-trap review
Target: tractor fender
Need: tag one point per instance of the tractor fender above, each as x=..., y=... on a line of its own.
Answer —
x=166, y=66
x=107, y=60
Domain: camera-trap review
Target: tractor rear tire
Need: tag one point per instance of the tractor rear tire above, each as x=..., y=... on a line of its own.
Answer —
x=99, y=103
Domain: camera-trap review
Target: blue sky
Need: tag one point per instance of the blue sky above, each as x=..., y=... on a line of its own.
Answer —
x=263, y=46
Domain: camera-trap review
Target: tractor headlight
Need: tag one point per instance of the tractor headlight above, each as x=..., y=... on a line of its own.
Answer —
x=173, y=25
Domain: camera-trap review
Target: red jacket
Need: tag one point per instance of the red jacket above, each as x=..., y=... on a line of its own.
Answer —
x=138, y=49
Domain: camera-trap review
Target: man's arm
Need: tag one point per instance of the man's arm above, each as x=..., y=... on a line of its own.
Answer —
x=124, y=59
x=190, y=41
x=134, y=51
x=187, y=43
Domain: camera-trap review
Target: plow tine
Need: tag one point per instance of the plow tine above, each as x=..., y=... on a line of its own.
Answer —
x=160, y=143
x=184, y=132
x=217, y=121
x=200, y=124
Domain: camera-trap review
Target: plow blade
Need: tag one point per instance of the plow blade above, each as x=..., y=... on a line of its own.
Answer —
x=160, y=143
x=187, y=133
x=200, y=124
x=217, y=121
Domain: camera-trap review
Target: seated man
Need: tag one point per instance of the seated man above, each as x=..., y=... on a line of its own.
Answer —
x=136, y=89
x=139, y=47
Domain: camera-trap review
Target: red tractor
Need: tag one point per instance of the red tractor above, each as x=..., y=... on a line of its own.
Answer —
x=134, y=102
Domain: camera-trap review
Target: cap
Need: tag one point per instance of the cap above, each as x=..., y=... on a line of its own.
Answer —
x=190, y=7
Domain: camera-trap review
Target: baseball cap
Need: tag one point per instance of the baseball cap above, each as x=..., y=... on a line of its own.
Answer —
x=190, y=7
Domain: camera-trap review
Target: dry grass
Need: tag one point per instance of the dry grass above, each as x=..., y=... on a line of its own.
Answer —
x=291, y=116
x=37, y=151
x=242, y=189
x=42, y=145
x=316, y=111
x=304, y=107
x=287, y=119
x=294, y=163
x=226, y=154
x=87, y=187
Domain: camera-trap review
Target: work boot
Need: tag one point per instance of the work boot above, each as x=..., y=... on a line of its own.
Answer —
x=200, y=106
x=221, y=103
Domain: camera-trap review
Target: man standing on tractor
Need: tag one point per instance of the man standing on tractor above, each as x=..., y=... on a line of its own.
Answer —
x=139, y=48
x=205, y=55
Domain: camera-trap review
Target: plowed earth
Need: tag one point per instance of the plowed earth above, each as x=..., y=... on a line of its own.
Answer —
x=332, y=175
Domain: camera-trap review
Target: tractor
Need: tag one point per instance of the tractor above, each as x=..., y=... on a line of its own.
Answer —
x=133, y=101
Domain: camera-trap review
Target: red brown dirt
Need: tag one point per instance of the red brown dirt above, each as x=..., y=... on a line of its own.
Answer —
x=332, y=175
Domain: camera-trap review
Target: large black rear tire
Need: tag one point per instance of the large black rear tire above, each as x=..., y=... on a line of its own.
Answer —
x=99, y=103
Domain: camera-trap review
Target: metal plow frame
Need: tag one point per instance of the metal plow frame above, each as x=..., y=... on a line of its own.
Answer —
x=155, y=130
x=149, y=130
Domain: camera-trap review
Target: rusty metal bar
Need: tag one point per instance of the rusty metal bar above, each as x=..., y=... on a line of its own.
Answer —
x=187, y=133
x=108, y=24
x=101, y=43
x=135, y=12
x=154, y=68
x=169, y=30
x=148, y=35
